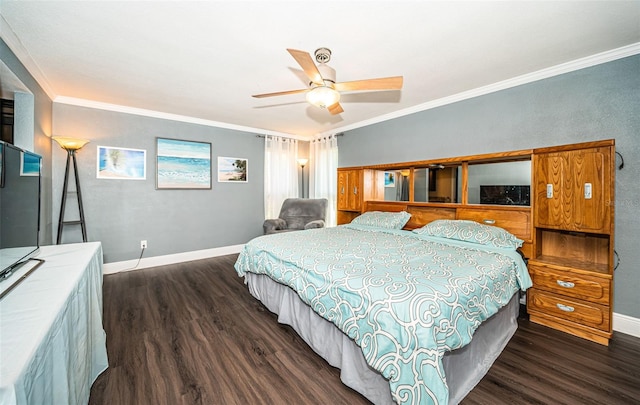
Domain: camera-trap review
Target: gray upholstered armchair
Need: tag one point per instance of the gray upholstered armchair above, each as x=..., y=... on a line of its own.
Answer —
x=297, y=214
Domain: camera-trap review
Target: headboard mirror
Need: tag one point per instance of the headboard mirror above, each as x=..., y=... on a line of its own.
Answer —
x=489, y=182
x=396, y=184
x=438, y=184
x=500, y=183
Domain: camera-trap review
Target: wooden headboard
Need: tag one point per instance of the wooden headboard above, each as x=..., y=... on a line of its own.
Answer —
x=516, y=220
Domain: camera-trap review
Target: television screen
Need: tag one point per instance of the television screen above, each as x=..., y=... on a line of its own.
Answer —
x=20, y=173
x=505, y=195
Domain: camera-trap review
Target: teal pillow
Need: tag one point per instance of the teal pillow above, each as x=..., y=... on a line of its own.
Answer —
x=471, y=231
x=379, y=219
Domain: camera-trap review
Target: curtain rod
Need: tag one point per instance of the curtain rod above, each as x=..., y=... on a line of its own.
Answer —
x=324, y=137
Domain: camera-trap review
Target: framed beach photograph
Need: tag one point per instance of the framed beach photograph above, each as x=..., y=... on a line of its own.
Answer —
x=389, y=179
x=29, y=164
x=121, y=163
x=232, y=170
x=183, y=164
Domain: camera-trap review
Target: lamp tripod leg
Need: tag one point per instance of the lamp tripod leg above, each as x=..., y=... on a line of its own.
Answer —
x=63, y=201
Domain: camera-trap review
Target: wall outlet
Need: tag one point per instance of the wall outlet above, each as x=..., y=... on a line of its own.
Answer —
x=143, y=244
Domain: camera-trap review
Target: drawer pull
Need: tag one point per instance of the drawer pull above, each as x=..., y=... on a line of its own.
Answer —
x=565, y=284
x=489, y=221
x=565, y=308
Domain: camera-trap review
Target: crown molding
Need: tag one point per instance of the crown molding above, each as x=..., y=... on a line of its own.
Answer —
x=168, y=116
x=9, y=37
x=582, y=63
x=19, y=50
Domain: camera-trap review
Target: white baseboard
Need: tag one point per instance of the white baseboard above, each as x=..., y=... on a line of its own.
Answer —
x=626, y=324
x=128, y=265
x=621, y=323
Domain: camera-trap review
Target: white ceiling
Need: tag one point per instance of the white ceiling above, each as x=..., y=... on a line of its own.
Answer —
x=202, y=61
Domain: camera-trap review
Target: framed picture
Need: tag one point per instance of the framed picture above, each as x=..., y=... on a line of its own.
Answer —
x=232, y=170
x=183, y=164
x=121, y=163
x=29, y=164
x=389, y=179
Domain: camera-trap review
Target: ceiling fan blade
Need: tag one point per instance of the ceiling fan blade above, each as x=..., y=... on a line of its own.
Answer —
x=335, y=109
x=383, y=83
x=306, y=63
x=279, y=93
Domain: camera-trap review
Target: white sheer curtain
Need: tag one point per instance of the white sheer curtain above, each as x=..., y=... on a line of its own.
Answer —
x=323, y=173
x=280, y=173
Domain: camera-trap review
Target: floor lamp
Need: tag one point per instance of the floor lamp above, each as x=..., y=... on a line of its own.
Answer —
x=302, y=163
x=71, y=145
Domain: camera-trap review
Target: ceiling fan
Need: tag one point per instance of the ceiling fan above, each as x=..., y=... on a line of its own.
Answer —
x=324, y=91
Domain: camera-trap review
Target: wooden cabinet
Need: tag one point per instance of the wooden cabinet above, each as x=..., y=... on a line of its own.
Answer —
x=349, y=190
x=572, y=265
x=350, y=197
x=572, y=189
x=567, y=231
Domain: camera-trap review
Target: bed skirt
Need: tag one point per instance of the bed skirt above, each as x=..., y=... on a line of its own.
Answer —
x=464, y=368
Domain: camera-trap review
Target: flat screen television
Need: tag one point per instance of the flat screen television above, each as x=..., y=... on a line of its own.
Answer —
x=505, y=195
x=20, y=177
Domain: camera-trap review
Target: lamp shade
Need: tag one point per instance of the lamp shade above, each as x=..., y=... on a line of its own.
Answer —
x=323, y=96
x=70, y=143
x=302, y=161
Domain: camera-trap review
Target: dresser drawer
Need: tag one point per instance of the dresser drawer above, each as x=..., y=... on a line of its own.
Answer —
x=590, y=288
x=582, y=312
x=517, y=222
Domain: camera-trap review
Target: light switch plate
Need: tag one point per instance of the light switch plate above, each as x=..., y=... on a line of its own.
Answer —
x=587, y=191
x=549, y=190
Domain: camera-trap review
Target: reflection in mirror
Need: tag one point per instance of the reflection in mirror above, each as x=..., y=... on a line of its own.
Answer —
x=503, y=183
x=396, y=185
x=421, y=185
x=438, y=184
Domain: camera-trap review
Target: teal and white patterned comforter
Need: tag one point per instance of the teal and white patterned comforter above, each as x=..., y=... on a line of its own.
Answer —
x=405, y=299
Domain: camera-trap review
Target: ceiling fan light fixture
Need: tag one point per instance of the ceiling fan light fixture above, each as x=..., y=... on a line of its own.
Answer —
x=323, y=96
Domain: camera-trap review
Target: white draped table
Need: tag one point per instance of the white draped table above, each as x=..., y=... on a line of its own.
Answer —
x=52, y=342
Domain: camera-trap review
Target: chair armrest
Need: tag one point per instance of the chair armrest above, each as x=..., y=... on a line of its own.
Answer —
x=271, y=225
x=318, y=223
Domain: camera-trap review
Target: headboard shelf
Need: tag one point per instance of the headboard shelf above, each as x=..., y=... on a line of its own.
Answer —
x=516, y=220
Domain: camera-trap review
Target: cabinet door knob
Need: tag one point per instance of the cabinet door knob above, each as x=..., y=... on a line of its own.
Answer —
x=565, y=284
x=489, y=221
x=565, y=308
x=342, y=190
x=355, y=190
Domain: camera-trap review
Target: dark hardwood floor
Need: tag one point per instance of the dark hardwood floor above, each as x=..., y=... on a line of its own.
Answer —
x=192, y=334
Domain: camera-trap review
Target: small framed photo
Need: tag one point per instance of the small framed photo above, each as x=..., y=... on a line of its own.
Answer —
x=121, y=163
x=232, y=170
x=29, y=164
x=183, y=164
x=389, y=179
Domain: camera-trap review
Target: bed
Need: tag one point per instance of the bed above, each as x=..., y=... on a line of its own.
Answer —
x=395, y=309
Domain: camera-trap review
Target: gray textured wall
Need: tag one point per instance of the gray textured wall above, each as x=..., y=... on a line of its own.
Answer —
x=42, y=122
x=601, y=102
x=121, y=213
